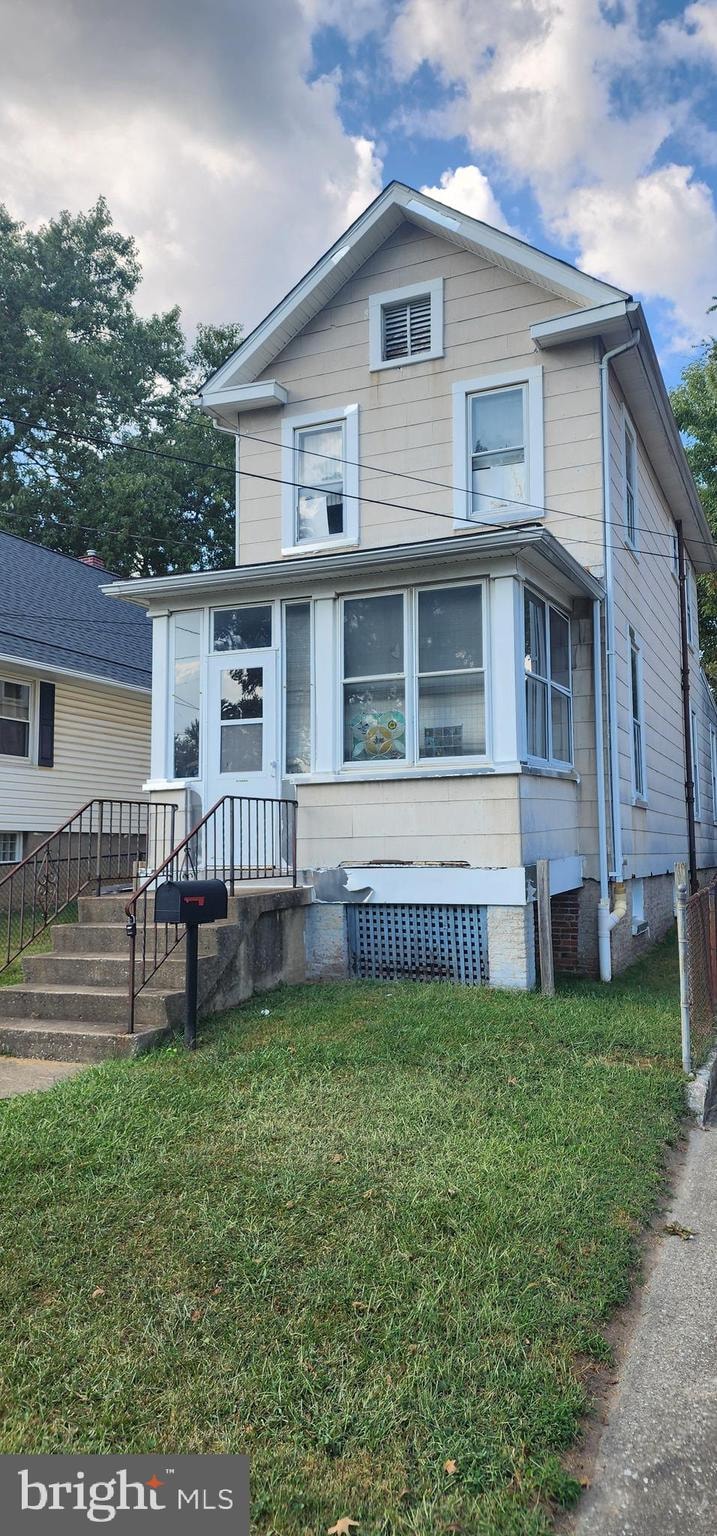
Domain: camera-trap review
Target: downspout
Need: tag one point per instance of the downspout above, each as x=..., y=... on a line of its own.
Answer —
x=686, y=712
x=607, y=919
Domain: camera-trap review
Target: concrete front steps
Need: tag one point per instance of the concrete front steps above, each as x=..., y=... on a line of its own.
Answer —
x=73, y=1002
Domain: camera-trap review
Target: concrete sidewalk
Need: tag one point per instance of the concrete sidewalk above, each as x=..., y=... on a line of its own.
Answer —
x=18, y=1075
x=656, y=1471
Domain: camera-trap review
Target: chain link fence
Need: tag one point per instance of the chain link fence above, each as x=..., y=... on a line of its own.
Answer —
x=697, y=944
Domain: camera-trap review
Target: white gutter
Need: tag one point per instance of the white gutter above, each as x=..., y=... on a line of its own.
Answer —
x=607, y=919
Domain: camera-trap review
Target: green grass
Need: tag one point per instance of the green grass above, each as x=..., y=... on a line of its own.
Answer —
x=12, y=975
x=365, y=1234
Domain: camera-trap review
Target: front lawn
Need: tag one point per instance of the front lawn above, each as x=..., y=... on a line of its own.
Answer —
x=364, y=1237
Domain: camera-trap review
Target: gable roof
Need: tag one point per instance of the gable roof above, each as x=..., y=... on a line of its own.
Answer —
x=394, y=204
x=53, y=612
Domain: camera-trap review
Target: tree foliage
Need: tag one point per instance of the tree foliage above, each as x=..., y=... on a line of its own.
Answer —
x=695, y=406
x=92, y=394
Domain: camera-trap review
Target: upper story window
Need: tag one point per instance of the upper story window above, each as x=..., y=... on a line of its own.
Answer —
x=548, y=684
x=498, y=448
x=14, y=719
x=630, y=450
x=320, y=475
x=405, y=325
x=637, y=711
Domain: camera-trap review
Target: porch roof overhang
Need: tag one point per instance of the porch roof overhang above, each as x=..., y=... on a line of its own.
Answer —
x=640, y=377
x=539, y=550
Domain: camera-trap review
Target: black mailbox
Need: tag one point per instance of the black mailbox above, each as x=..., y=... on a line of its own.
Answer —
x=190, y=902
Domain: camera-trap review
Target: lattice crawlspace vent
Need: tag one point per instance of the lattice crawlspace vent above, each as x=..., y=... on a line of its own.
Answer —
x=388, y=941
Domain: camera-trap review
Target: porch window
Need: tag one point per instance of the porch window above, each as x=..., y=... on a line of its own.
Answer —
x=242, y=629
x=374, y=688
x=638, y=721
x=548, y=688
x=499, y=457
x=186, y=695
x=297, y=634
x=451, y=680
x=14, y=719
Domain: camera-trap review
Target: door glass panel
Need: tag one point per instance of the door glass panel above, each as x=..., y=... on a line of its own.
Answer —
x=242, y=747
x=242, y=693
x=242, y=629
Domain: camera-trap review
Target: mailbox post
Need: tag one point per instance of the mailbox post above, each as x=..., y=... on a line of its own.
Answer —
x=192, y=902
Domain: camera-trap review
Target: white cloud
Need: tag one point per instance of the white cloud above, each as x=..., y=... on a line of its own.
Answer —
x=233, y=172
x=532, y=85
x=468, y=190
x=664, y=228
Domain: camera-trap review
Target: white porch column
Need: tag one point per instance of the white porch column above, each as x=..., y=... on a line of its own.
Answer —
x=507, y=687
x=160, y=766
x=324, y=721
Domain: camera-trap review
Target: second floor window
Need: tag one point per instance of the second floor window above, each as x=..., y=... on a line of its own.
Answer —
x=319, y=457
x=630, y=485
x=548, y=688
x=499, y=459
x=14, y=719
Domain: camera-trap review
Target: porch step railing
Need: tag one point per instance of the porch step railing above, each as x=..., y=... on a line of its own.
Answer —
x=103, y=843
x=241, y=838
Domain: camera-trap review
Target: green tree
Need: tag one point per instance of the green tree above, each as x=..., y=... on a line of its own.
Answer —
x=695, y=406
x=85, y=384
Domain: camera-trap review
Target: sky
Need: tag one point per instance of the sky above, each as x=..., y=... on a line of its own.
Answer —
x=236, y=139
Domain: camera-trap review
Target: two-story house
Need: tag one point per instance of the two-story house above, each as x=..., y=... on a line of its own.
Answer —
x=454, y=622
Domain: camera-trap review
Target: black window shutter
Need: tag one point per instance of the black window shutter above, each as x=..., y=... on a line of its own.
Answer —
x=46, y=739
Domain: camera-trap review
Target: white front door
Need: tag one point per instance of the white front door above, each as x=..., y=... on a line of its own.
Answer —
x=242, y=746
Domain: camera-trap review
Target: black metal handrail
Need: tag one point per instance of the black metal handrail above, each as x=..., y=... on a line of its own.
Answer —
x=240, y=838
x=103, y=842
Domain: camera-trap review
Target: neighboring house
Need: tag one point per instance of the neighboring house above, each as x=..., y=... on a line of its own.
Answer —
x=457, y=464
x=75, y=681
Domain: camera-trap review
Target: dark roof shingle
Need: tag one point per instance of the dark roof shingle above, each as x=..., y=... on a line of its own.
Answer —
x=53, y=612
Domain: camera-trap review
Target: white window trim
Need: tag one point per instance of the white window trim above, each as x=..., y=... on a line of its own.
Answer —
x=638, y=798
x=413, y=763
x=349, y=416
x=695, y=745
x=713, y=768
x=5, y=863
x=376, y=305
x=7, y=676
x=628, y=430
x=549, y=762
x=532, y=378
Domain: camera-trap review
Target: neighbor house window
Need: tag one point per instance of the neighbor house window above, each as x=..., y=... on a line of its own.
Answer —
x=713, y=771
x=320, y=475
x=186, y=695
x=406, y=325
x=10, y=847
x=14, y=719
x=695, y=765
x=374, y=701
x=498, y=448
x=297, y=650
x=451, y=680
x=548, y=688
x=630, y=485
x=638, y=720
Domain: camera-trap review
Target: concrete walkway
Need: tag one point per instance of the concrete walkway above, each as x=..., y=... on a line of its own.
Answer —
x=18, y=1075
x=656, y=1472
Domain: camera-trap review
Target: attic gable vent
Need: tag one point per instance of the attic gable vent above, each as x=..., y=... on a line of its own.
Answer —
x=407, y=327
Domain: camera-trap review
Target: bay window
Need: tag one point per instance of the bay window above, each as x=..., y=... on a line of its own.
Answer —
x=451, y=682
x=374, y=679
x=186, y=695
x=548, y=692
x=297, y=636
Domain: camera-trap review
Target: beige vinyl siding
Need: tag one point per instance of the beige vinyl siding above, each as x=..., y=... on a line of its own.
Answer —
x=471, y=819
x=101, y=749
x=647, y=599
x=406, y=413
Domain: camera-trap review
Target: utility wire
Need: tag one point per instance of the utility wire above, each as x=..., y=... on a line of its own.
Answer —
x=371, y=500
